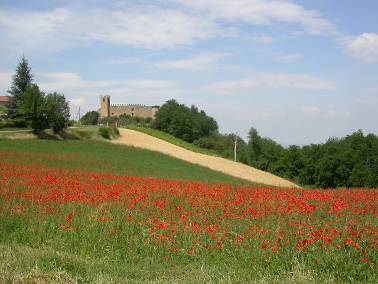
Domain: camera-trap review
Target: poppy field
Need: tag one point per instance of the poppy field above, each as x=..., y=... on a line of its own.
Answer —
x=70, y=224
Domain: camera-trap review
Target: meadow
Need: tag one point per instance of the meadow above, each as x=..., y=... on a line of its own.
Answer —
x=86, y=211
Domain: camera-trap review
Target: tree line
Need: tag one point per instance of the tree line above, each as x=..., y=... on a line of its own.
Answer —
x=351, y=161
x=28, y=103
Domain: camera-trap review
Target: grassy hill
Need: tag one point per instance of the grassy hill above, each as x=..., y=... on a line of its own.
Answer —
x=100, y=156
x=172, y=139
x=66, y=218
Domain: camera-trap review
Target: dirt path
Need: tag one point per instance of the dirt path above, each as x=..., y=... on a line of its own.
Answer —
x=141, y=140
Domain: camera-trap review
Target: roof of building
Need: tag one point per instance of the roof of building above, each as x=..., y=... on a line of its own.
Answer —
x=4, y=99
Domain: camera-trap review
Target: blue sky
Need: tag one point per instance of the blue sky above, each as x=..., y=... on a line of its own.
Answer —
x=298, y=71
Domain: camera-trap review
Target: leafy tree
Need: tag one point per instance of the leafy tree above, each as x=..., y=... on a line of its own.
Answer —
x=351, y=161
x=90, y=118
x=57, y=111
x=21, y=80
x=186, y=123
x=254, y=143
x=33, y=107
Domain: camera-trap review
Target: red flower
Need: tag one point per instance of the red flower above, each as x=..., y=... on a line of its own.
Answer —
x=265, y=244
x=357, y=246
x=69, y=217
x=348, y=242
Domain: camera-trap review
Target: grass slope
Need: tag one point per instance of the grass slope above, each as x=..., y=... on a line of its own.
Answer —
x=173, y=140
x=36, y=247
x=100, y=156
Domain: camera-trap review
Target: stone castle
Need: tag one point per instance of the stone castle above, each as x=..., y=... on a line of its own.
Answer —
x=108, y=110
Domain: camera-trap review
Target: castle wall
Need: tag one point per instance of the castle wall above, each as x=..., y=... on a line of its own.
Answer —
x=108, y=110
x=133, y=110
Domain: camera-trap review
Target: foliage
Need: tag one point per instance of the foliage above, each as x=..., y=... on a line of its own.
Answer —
x=348, y=162
x=29, y=102
x=33, y=107
x=90, y=118
x=3, y=110
x=127, y=120
x=21, y=81
x=223, y=145
x=13, y=123
x=183, y=122
x=57, y=111
x=108, y=132
x=254, y=143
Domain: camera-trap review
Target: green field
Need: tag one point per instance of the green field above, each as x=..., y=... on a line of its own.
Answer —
x=87, y=211
x=102, y=157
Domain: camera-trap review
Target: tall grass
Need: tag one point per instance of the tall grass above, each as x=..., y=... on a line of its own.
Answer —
x=105, y=157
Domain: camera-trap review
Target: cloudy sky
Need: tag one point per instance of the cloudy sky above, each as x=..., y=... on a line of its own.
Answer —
x=299, y=71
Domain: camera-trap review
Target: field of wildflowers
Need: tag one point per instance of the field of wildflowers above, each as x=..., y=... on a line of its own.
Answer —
x=108, y=228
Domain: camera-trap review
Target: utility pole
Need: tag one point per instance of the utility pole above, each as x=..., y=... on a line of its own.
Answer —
x=78, y=116
x=236, y=141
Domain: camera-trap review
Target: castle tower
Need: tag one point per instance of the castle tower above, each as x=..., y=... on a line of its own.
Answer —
x=105, y=106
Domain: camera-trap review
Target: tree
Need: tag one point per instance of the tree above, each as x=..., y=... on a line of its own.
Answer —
x=33, y=107
x=183, y=122
x=57, y=111
x=254, y=143
x=21, y=80
x=90, y=118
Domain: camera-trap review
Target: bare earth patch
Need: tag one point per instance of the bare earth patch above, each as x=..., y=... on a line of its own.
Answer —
x=137, y=139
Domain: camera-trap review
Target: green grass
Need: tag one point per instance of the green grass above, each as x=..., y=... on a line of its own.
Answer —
x=14, y=129
x=173, y=140
x=97, y=156
x=95, y=256
x=34, y=248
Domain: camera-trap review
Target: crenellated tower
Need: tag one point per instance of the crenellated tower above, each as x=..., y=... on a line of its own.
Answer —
x=104, y=106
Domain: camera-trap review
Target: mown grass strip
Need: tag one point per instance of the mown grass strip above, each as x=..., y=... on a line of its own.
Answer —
x=171, y=139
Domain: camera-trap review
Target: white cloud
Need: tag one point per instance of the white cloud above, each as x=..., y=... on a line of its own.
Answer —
x=152, y=26
x=146, y=27
x=33, y=30
x=73, y=83
x=78, y=102
x=271, y=80
x=149, y=28
x=197, y=62
x=263, y=12
x=364, y=47
x=5, y=81
x=261, y=39
x=76, y=88
x=322, y=112
x=289, y=57
x=311, y=110
x=201, y=61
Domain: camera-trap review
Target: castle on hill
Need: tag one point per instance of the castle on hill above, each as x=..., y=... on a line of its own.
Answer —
x=108, y=110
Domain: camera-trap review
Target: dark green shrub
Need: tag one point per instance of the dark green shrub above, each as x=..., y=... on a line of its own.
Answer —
x=13, y=123
x=104, y=132
x=108, y=132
